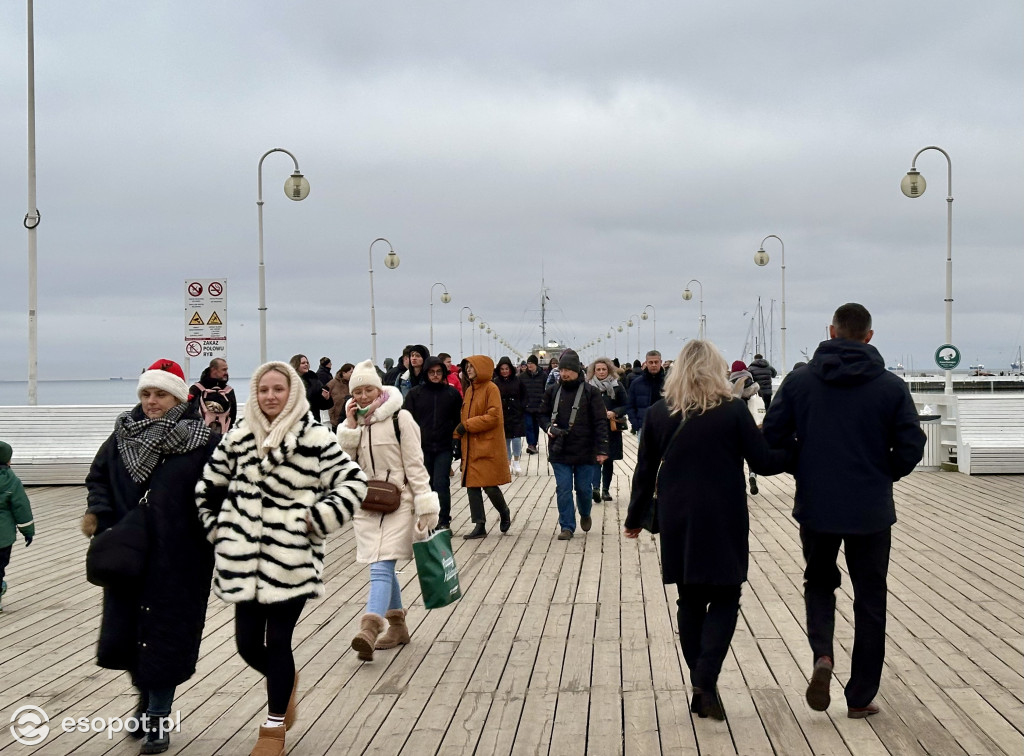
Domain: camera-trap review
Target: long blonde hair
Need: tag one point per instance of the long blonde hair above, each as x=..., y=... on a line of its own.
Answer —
x=697, y=381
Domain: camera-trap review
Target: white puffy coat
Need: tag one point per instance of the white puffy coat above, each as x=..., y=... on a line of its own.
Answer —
x=381, y=537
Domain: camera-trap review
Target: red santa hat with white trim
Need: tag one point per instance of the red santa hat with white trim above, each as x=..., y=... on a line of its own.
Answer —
x=166, y=375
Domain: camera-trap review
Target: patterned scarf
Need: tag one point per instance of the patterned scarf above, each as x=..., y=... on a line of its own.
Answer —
x=607, y=386
x=365, y=416
x=143, y=443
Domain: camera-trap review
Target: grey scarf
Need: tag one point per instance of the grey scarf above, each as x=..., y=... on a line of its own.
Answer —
x=143, y=443
x=606, y=387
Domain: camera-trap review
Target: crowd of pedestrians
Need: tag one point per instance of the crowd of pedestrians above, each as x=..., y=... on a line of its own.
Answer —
x=247, y=504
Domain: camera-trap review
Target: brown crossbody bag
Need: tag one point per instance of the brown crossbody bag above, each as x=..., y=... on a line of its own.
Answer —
x=382, y=496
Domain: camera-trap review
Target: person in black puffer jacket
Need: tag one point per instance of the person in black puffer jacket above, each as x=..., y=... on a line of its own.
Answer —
x=533, y=379
x=513, y=408
x=436, y=407
x=762, y=372
x=317, y=395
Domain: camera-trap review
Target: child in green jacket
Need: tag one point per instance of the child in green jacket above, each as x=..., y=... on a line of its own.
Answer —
x=15, y=512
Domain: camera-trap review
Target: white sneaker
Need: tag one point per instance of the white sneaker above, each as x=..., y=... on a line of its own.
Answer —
x=516, y=468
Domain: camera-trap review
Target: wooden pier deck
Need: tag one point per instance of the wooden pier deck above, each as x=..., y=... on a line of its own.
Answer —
x=569, y=647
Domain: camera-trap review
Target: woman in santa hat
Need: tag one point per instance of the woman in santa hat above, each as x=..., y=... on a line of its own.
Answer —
x=153, y=628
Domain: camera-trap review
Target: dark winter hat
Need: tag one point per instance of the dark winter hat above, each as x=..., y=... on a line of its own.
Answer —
x=636, y=363
x=533, y=359
x=388, y=363
x=420, y=349
x=5, y=453
x=738, y=366
x=569, y=360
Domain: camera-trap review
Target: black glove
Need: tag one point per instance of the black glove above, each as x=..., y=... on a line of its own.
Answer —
x=460, y=430
x=28, y=540
x=456, y=449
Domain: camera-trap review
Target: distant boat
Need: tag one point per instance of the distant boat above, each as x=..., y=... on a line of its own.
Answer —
x=1016, y=365
x=898, y=366
x=979, y=366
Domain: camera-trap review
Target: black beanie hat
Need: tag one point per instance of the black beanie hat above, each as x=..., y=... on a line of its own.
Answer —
x=569, y=360
x=533, y=359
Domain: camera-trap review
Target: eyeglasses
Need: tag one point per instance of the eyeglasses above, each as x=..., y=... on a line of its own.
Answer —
x=435, y=371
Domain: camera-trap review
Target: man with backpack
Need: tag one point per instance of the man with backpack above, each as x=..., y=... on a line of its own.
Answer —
x=213, y=398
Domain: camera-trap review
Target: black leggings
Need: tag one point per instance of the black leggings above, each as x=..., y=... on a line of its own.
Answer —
x=263, y=633
x=707, y=620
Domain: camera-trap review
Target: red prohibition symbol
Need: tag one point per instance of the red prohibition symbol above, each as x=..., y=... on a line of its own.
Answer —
x=195, y=289
x=215, y=289
x=194, y=348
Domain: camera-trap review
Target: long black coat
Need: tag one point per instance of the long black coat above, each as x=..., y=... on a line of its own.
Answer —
x=513, y=404
x=702, y=498
x=314, y=395
x=155, y=633
x=535, y=384
x=616, y=404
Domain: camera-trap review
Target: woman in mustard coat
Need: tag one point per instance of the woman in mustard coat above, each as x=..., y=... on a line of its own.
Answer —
x=484, y=459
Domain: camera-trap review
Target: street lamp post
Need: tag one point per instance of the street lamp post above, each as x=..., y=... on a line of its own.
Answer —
x=913, y=185
x=688, y=295
x=32, y=218
x=445, y=299
x=761, y=259
x=296, y=188
x=654, y=322
x=471, y=318
x=391, y=261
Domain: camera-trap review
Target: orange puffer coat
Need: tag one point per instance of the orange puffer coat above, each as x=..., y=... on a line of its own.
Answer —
x=484, y=459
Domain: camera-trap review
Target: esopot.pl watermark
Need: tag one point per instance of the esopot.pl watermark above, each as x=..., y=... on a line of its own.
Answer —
x=30, y=725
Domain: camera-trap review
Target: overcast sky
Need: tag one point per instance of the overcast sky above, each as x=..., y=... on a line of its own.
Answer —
x=623, y=148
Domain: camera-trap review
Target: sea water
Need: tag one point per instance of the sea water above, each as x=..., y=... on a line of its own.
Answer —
x=96, y=391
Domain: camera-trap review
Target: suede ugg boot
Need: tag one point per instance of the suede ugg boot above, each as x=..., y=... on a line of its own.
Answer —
x=270, y=743
x=370, y=626
x=398, y=632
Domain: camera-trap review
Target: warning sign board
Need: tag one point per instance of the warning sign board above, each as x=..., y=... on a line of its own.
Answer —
x=206, y=317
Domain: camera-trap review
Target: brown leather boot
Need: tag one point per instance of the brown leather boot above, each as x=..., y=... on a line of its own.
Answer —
x=270, y=743
x=292, y=712
x=398, y=632
x=370, y=626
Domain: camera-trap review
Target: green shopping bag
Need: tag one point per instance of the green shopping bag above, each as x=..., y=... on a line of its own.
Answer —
x=435, y=566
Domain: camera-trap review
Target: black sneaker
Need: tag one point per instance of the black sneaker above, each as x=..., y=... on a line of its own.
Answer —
x=753, y=484
x=597, y=496
x=606, y=496
x=444, y=525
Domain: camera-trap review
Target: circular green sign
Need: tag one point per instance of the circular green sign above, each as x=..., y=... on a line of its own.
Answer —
x=947, y=356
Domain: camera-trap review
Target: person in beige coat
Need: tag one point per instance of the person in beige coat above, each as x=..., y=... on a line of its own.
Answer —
x=385, y=440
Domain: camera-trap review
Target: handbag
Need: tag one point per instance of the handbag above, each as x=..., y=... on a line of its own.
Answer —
x=117, y=557
x=382, y=496
x=651, y=523
x=755, y=405
x=436, y=570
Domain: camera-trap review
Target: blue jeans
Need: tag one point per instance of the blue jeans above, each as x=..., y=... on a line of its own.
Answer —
x=514, y=447
x=569, y=478
x=532, y=428
x=439, y=466
x=385, y=593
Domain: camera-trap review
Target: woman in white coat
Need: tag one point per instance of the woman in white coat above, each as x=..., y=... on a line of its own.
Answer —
x=385, y=440
x=275, y=487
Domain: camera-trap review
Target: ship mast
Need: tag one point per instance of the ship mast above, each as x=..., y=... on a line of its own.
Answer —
x=543, y=308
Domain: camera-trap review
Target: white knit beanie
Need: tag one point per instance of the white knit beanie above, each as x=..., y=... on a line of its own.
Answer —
x=165, y=375
x=364, y=374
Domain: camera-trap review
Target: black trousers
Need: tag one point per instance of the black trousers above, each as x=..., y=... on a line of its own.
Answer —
x=5, y=559
x=263, y=633
x=707, y=620
x=867, y=558
x=476, y=502
x=439, y=468
x=607, y=472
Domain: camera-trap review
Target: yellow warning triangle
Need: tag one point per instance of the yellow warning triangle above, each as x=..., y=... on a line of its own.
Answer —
x=197, y=320
x=214, y=320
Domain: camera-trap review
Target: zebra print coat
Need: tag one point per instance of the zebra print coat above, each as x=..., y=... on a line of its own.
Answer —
x=255, y=511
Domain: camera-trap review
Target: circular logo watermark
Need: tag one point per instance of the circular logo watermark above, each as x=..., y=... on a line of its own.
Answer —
x=30, y=725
